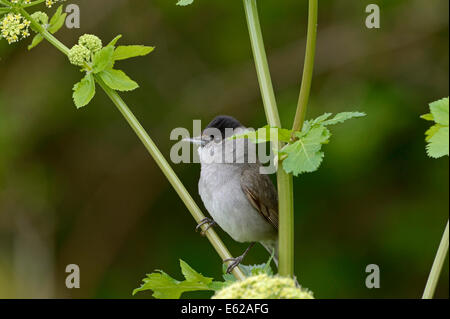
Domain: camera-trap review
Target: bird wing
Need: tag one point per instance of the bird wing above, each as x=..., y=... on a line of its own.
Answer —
x=261, y=194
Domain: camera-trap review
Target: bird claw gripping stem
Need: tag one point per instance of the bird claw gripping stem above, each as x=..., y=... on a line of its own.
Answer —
x=236, y=261
x=205, y=221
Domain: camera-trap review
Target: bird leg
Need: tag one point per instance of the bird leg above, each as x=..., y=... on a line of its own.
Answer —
x=236, y=261
x=210, y=222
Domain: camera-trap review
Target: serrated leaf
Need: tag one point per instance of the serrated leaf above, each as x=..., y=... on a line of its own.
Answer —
x=342, y=117
x=84, y=91
x=191, y=275
x=118, y=80
x=305, y=154
x=102, y=59
x=437, y=136
x=321, y=119
x=439, y=109
x=38, y=38
x=266, y=134
x=184, y=2
x=131, y=51
x=438, y=143
x=166, y=287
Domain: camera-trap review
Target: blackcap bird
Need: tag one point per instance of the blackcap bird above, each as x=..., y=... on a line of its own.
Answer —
x=241, y=200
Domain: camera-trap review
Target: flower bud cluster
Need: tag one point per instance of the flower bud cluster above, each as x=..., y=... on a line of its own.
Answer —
x=263, y=287
x=81, y=53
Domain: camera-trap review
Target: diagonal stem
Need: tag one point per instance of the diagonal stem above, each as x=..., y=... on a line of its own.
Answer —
x=165, y=167
x=435, y=272
x=284, y=180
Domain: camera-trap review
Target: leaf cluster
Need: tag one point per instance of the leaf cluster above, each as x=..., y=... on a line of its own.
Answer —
x=56, y=23
x=103, y=63
x=166, y=287
x=303, y=150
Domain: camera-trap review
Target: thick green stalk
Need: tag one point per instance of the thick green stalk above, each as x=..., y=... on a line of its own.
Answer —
x=285, y=184
x=308, y=68
x=152, y=149
x=435, y=272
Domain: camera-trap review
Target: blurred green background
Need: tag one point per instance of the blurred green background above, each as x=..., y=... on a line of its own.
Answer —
x=77, y=187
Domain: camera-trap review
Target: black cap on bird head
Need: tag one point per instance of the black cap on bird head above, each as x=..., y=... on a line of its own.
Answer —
x=223, y=122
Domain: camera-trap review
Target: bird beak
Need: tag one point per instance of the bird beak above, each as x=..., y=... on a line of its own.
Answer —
x=199, y=140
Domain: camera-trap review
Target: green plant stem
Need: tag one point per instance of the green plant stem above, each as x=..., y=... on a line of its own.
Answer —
x=308, y=68
x=284, y=180
x=47, y=35
x=435, y=272
x=152, y=149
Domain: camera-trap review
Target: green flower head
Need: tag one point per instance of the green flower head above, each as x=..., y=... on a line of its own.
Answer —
x=91, y=42
x=263, y=287
x=79, y=55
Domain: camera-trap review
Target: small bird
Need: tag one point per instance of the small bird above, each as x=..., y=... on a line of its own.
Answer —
x=241, y=200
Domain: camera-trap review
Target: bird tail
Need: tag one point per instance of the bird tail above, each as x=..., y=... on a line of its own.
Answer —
x=272, y=248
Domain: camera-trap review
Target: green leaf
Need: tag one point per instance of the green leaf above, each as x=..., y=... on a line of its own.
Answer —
x=319, y=120
x=254, y=270
x=57, y=15
x=57, y=21
x=432, y=131
x=427, y=117
x=437, y=136
x=439, y=109
x=266, y=134
x=438, y=143
x=131, y=51
x=305, y=155
x=54, y=27
x=102, y=59
x=229, y=278
x=114, y=41
x=38, y=38
x=118, y=80
x=166, y=287
x=342, y=117
x=184, y=2
x=191, y=275
x=84, y=91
